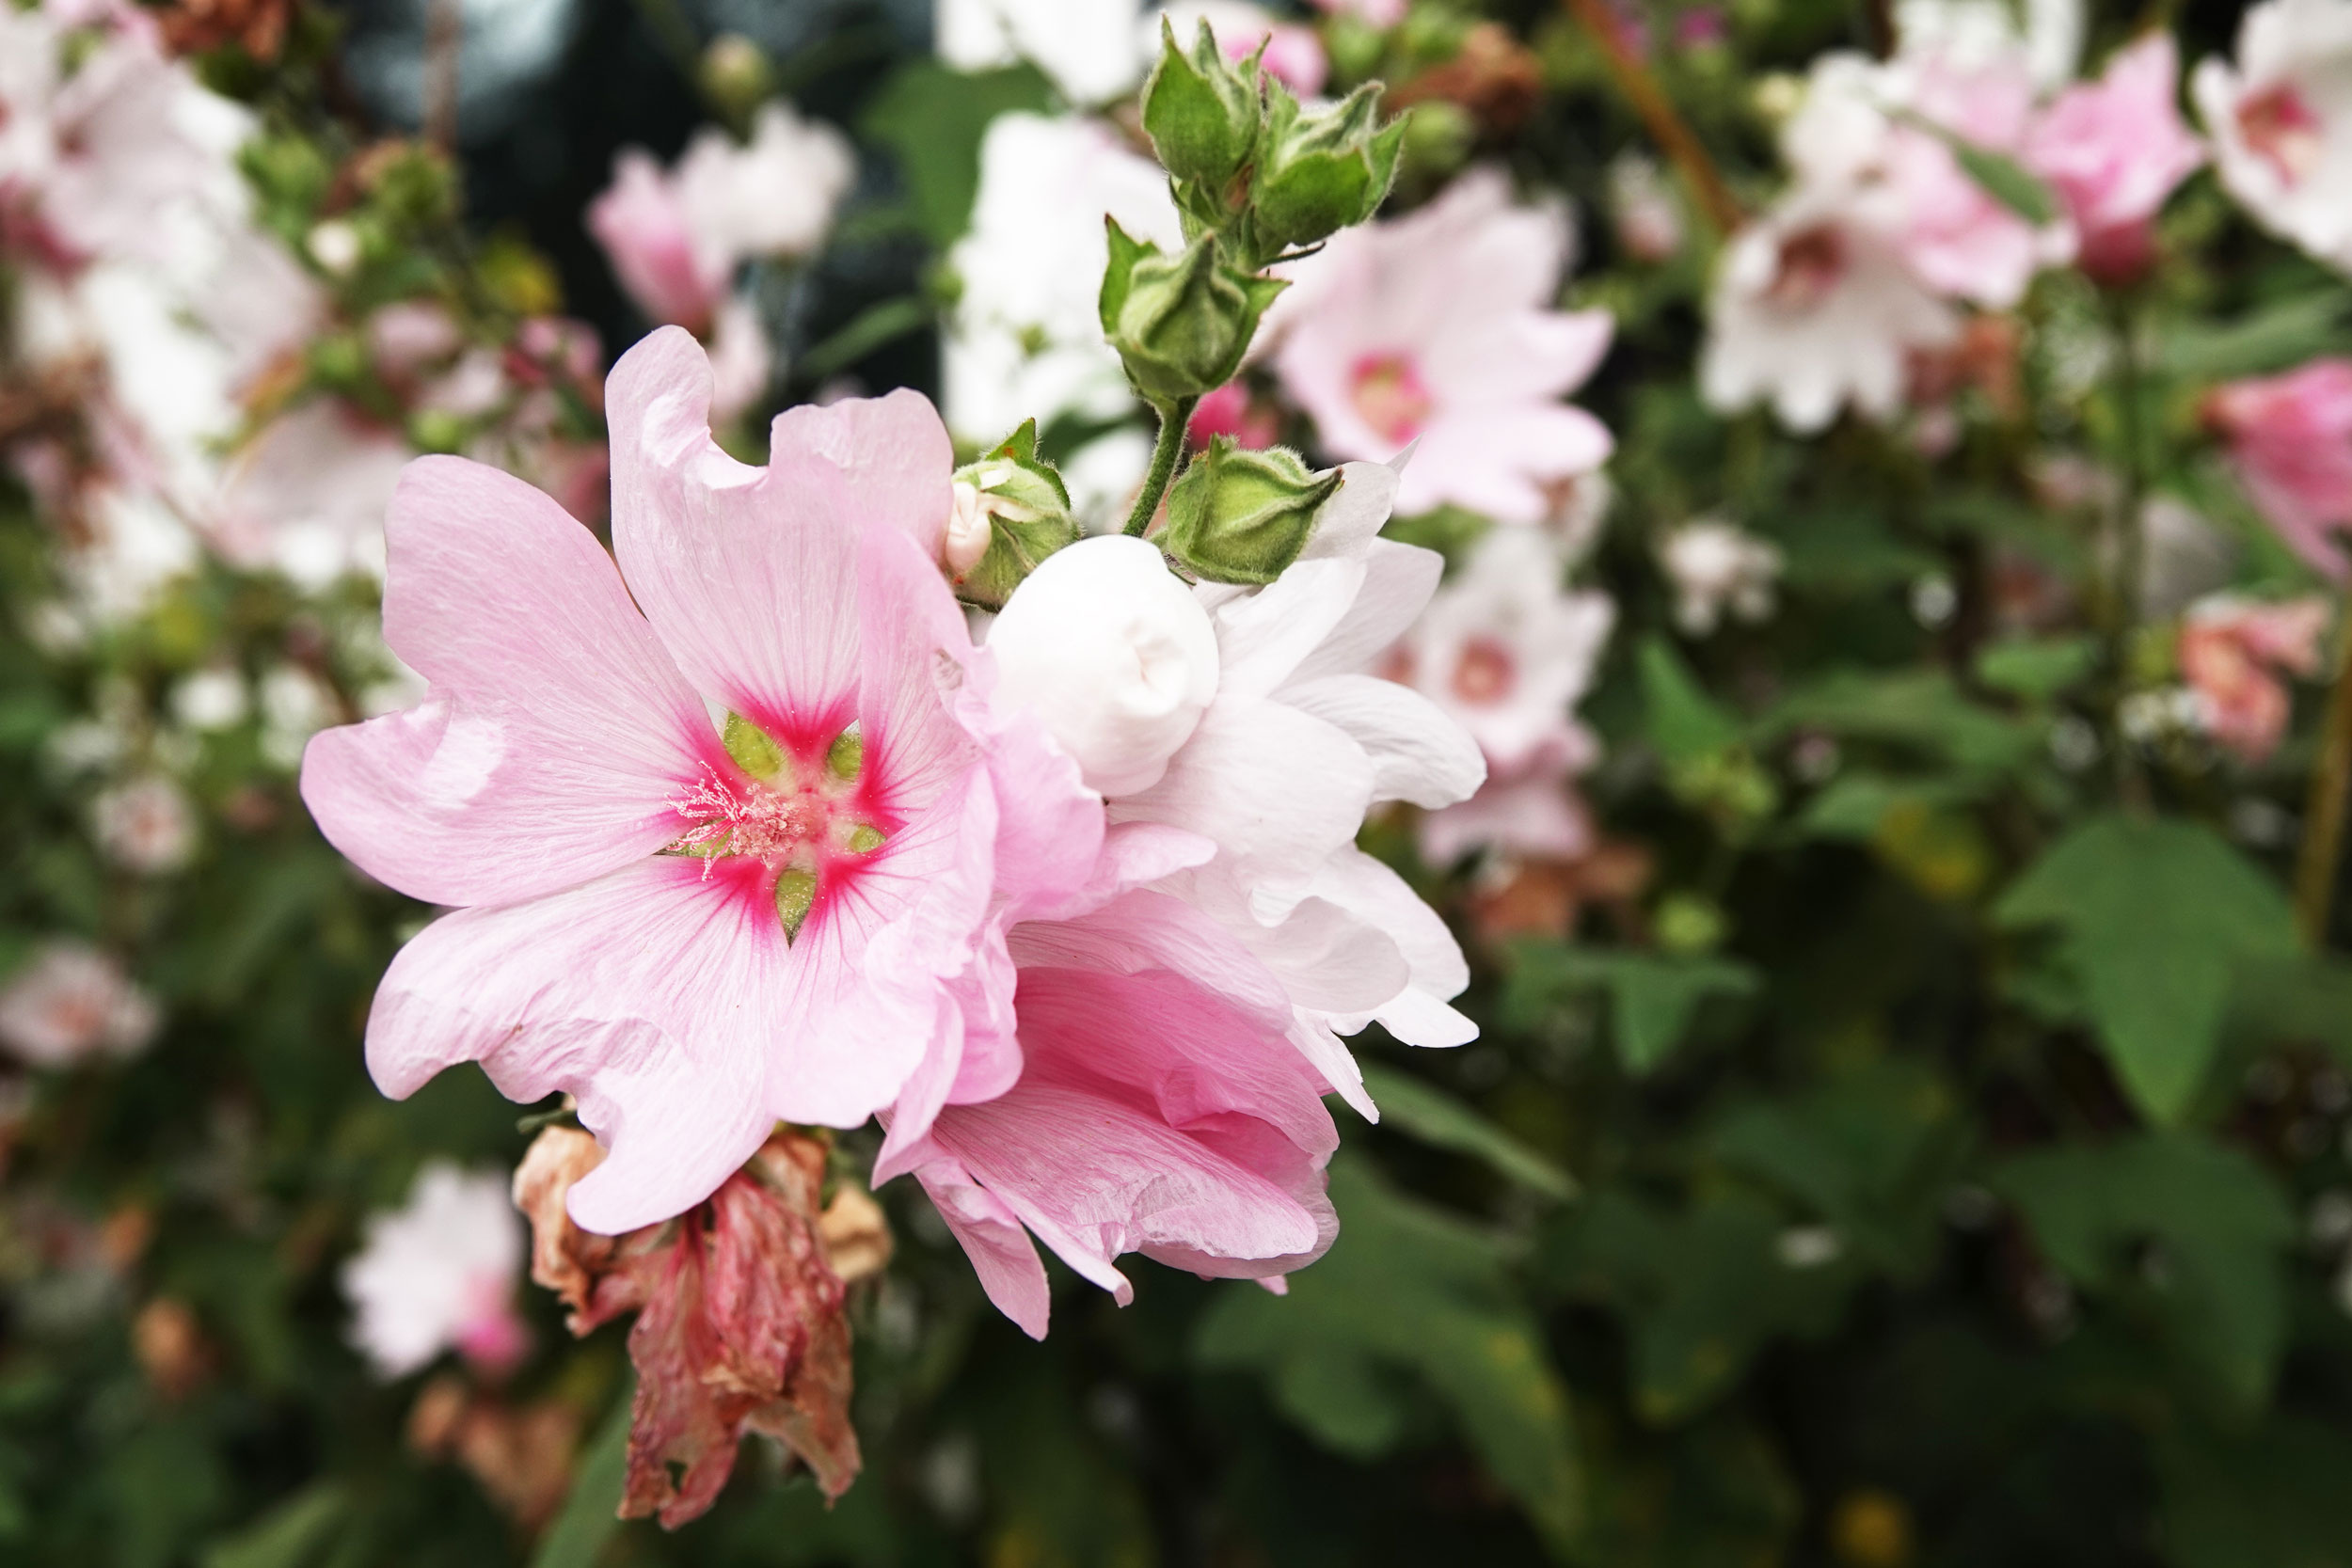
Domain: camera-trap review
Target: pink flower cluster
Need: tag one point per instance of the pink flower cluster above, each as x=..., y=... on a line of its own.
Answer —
x=2290, y=438
x=880, y=882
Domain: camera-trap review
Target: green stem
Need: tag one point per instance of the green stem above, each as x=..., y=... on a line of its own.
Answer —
x=1174, y=419
x=2124, y=547
x=2323, y=814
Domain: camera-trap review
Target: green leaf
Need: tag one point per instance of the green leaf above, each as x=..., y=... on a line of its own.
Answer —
x=2156, y=916
x=291, y=1535
x=1685, y=723
x=2214, y=1288
x=1653, y=995
x=2006, y=182
x=1920, y=710
x=2277, y=337
x=2271, y=1497
x=934, y=119
x=1424, y=1111
x=591, y=1510
x=1409, y=1293
x=2039, y=670
x=876, y=326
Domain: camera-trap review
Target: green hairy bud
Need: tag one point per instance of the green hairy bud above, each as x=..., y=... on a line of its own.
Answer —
x=1201, y=112
x=1183, y=321
x=1010, y=513
x=1320, y=170
x=1238, y=515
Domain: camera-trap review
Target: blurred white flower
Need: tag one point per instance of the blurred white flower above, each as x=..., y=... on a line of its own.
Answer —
x=1716, y=566
x=306, y=495
x=145, y=824
x=439, y=1274
x=211, y=700
x=1087, y=48
x=70, y=1002
x=2281, y=119
x=295, y=708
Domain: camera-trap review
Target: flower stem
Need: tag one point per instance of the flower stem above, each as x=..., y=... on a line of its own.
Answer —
x=1659, y=114
x=2123, y=546
x=1174, y=419
x=2323, y=814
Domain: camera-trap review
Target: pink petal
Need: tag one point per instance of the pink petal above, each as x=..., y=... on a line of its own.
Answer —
x=1001, y=1252
x=557, y=731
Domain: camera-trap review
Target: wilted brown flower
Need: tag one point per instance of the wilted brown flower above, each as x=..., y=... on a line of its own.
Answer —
x=740, y=1326
x=192, y=26
x=169, y=1347
x=521, y=1455
x=1546, y=897
x=1494, y=77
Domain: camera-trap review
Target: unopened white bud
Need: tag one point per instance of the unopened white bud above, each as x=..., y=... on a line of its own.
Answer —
x=1113, y=655
x=967, y=530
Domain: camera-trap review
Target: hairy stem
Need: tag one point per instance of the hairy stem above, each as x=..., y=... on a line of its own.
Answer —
x=1659, y=114
x=1174, y=419
x=2323, y=814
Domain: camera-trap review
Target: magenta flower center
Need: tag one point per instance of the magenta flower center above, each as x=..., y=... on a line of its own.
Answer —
x=2281, y=127
x=1391, y=395
x=1485, y=671
x=807, y=820
x=1811, y=262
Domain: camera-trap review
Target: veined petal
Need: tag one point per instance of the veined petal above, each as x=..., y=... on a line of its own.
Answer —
x=1399, y=582
x=1418, y=754
x=556, y=732
x=1001, y=1252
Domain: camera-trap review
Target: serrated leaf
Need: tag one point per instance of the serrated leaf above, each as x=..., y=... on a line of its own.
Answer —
x=2156, y=915
x=2217, y=1287
x=1424, y=1111
x=1652, y=996
x=1409, y=1292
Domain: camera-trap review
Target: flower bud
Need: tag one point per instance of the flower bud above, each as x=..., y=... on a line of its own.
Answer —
x=1201, y=112
x=1113, y=654
x=1237, y=515
x=1010, y=513
x=1181, y=322
x=1320, y=170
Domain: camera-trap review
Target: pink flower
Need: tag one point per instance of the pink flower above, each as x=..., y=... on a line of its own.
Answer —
x=1435, y=331
x=439, y=1274
x=1293, y=55
x=676, y=239
x=70, y=1002
x=698, y=936
x=2233, y=651
x=2282, y=122
x=306, y=495
x=145, y=826
x=1151, y=1114
x=2114, y=150
x=1228, y=411
x=2290, y=437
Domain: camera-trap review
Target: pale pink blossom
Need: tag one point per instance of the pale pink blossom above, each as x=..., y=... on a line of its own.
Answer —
x=2114, y=150
x=1717, y=568
x=1537, y=814
x=145, y=824
x=306, y=495
x=1435, y=331
x=2281, y=120
x=675, y=239
x=741, y=363
x=2291, y=438
x=692, y=938
x=70, y=1002
x=439, y=1274
x=2234, y=653
x=1152, y=1114
x=1371, y=13
x=1815, y=308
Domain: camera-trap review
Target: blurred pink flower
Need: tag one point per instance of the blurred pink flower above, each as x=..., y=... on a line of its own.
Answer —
x=2232, y=652
x=2291, y=438
x=439, y=1274
x=1371, y=13
x=145, y=824
x=1536, y=814
x=697, y=939
x=306, y=495
x=2114, y=150
x=2281, y=120
x=1151, y=1114
x=1293, y=54
x=71, y=1001
x=676, y=239
x=1230, y=411
x=1435, y=331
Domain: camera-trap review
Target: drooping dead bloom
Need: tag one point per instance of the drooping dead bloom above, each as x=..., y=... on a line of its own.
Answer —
x=740, y=1326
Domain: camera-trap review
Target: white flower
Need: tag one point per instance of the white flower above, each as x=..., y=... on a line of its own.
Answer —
x=1113, y=655
x=1716, y=566
x=1297, y=745
x=1506, y=651
x=71, y=1001
x=307, y=495
x=774, y=195
x=440, y=1275
x=295, y=708
x=1815, y=309
x=1026, y=338
x=145, y=826
x=1088, y=48
x=2282, y=122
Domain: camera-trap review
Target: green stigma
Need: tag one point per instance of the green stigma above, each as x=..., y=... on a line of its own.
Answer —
x=845, y=757
x=754, y=751
x=796, y=893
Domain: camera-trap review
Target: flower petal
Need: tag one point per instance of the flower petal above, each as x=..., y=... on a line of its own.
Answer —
x=556, y=732
x=1418, y=754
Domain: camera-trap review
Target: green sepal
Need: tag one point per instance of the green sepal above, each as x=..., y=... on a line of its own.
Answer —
x=1202, y=114
x=1238, y=515
x=1028, y=517
x=1321, y=170
x=1185, y=321
x=1126, y=251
